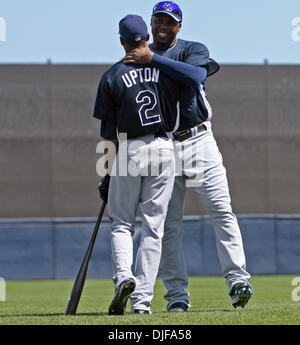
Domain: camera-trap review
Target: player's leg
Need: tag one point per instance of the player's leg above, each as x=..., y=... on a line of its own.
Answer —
x=215, y=197
x=155, y=195
x=123, y=198
x=172, y=266
x=123, y=201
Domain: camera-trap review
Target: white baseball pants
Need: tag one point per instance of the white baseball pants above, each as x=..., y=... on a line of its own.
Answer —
x=148, y=185
x=202, y=170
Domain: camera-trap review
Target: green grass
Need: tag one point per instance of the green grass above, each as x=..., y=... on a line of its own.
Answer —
x=44, y=302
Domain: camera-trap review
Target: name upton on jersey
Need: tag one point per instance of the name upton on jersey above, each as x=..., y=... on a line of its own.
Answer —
x=141, y=75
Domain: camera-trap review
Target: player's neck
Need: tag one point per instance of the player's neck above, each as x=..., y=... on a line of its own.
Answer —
x=159, y=45
x=129, y=47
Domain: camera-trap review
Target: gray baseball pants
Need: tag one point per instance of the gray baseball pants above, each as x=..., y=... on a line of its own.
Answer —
x=205, y=173
x=148, y=184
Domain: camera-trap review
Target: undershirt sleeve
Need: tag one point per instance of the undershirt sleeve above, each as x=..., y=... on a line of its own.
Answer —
x=182, y=72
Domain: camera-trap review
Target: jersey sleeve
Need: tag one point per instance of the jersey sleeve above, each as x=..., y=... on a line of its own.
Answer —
x=108, y=130
x=104, y=106
x=197, y=54
x=184, y=73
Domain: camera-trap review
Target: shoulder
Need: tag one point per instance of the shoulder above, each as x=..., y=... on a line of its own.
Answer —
x=197, y=53
x=193, y=46
x=107, y=75
x=107, y=80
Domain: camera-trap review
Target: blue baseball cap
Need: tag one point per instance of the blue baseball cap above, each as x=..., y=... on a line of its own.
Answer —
x=170, y=8
x=133, y=28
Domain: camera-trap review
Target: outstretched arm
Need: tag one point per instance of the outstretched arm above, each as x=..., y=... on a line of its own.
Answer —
x=182, y=72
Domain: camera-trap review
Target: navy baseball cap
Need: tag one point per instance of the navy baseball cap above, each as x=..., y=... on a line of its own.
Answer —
x=133, y=28
x=170, y=8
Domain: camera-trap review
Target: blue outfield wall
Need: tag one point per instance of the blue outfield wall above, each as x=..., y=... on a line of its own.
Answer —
x=47, y=248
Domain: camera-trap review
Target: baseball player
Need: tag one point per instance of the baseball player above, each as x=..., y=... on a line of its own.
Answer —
x=132, y=101
x=211, y=186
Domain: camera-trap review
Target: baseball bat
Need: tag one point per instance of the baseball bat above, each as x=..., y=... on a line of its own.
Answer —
x=81, y=276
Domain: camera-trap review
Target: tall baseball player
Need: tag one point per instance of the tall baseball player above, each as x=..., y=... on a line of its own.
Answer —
x=211, y=187
x=133, y=100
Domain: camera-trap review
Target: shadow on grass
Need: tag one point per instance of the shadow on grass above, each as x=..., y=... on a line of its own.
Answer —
x=162, y=314
x=212, y=310
x=53, y=314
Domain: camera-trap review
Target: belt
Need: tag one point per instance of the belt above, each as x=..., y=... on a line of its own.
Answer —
x=189, y=133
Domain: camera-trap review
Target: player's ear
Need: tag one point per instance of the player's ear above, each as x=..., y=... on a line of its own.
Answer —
x=147, y=38
x=178, y=27
x=122, y=41
x=151, y=21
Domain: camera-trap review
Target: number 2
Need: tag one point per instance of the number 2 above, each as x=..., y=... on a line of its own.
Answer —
x=149, y=101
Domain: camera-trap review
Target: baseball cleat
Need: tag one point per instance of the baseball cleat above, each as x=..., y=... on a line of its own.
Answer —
x=240, y=294
x=178, y=307
x=122, y=293
x=140, y=311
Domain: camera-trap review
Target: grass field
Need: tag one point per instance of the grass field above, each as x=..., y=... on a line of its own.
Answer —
x=44, y=302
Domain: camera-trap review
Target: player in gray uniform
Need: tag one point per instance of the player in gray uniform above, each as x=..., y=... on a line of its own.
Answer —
x=129, y=102
x=211, y=183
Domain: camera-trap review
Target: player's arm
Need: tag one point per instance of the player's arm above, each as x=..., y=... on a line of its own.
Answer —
x=108, y=132
x=184, y=73
x=104, y=110
x=192, y=71
x=197, y=54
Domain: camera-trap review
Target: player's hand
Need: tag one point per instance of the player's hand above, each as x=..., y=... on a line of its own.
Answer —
x=141, y=56
x=103, y=188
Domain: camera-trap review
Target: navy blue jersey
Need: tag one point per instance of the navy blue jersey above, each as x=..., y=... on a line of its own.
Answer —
x=194, y=106
x=135, y=99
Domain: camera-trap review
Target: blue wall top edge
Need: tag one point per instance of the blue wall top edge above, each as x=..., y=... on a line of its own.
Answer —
x=88, y=220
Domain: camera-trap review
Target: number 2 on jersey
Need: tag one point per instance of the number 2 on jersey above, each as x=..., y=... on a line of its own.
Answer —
x=149, y=101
